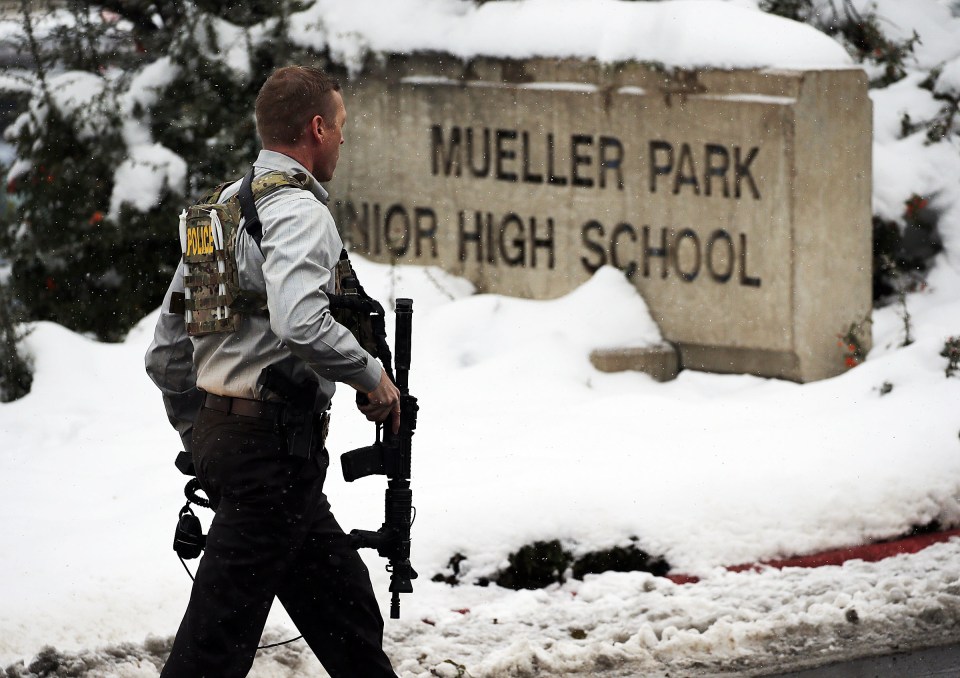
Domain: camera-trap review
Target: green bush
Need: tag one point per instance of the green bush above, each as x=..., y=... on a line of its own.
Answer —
x=16, y=371
x=74, y=261
x=951, y=351
x=798, y=10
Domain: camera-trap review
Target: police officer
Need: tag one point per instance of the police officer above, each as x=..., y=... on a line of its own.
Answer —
x=273, y=533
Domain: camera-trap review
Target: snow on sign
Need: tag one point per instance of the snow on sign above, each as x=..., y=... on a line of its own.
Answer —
x=737, y=202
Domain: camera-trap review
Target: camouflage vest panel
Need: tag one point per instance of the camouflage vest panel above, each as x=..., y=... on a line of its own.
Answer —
x=214, y=301
x=353, y=314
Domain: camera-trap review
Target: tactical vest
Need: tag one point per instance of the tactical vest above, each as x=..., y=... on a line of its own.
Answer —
x=213, y=300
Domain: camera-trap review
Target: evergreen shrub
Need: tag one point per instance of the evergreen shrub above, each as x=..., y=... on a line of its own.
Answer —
x=16, y=370
x=82, y=256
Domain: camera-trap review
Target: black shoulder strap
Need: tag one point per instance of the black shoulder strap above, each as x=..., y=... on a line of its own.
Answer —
x=248, y=208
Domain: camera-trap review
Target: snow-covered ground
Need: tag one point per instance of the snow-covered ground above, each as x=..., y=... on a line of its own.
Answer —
x=520, y=439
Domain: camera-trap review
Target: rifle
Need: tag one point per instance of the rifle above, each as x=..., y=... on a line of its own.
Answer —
x=391, y=456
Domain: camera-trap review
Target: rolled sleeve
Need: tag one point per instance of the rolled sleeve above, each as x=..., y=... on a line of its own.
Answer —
x=301, y=248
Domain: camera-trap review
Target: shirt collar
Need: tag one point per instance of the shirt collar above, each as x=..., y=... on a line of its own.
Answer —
x=272, y=160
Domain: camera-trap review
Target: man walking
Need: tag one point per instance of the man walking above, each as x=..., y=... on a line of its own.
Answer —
x=273, y=533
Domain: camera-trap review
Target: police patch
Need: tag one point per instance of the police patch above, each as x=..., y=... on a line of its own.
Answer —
x=199, y=239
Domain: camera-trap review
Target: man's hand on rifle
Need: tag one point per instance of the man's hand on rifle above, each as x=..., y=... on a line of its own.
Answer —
x=383, y=402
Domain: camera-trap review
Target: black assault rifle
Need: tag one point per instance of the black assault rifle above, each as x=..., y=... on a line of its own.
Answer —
x=390, y=456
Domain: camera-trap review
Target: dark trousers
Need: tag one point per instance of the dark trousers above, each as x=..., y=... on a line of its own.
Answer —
x=273, y=535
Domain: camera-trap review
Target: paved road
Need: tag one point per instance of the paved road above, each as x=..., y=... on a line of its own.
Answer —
x=935, y=662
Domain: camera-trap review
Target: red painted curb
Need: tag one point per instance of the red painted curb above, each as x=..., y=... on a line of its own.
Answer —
x=870, y=553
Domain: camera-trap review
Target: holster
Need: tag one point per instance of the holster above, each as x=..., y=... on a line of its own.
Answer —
x=297, y=425
x=305, y=431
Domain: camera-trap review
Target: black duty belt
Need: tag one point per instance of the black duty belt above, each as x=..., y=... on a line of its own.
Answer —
x=245, y=407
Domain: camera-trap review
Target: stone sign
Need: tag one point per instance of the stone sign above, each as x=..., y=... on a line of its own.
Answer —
x=737, y=202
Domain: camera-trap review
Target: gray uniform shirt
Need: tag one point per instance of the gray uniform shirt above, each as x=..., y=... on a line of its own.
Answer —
x=293, y=268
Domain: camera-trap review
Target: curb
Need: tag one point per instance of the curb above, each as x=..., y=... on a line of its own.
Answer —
x=870, y=553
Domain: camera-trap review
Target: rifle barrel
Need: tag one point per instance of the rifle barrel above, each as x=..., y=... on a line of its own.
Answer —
x=403, y=341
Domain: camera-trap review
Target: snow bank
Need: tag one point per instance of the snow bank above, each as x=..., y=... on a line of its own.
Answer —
x=687, y=33
x=520, y=439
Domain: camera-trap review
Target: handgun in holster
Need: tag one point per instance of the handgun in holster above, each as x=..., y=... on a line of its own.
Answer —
x=296, y=420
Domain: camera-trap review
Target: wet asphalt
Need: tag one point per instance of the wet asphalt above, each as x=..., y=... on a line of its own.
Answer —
x=939, y=662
